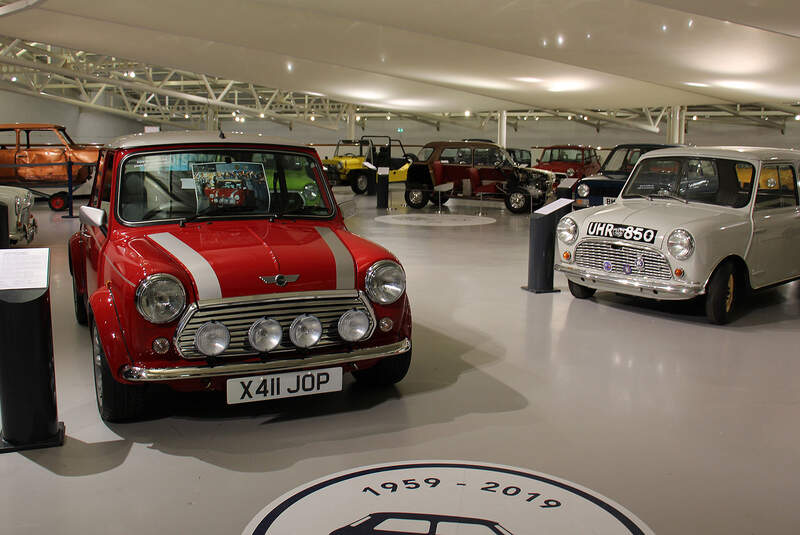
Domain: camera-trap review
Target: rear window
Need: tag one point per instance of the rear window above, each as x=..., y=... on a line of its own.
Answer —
x=424, y=154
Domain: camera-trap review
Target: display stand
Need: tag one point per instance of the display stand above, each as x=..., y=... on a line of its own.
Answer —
x=69, y=192
x=383, y=188
x=541, y=247
x=27, y=373
x=5, y=239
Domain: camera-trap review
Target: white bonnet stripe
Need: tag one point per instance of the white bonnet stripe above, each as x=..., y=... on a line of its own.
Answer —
x=345, y=269
x=201, y=271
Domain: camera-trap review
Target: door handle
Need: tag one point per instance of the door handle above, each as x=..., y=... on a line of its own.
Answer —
x=759, y=231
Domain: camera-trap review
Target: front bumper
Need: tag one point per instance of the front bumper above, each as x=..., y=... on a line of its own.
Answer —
x=141, y=374
x=642, y=287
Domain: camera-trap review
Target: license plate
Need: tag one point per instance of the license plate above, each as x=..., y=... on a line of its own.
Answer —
x=609, y=200
x=621, y=232
x=283, y=385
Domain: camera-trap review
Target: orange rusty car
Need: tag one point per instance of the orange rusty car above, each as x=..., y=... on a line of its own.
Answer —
x=35, y=155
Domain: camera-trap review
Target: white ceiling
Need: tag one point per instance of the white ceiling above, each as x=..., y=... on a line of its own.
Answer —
x=453, y=55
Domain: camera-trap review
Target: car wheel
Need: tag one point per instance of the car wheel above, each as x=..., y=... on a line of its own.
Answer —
x=721, y=294
x=386, y=372
x=116, y=402
x=359, y=183
x=580, y=291
x=439, y=199
x=58, y=201
x=80, y=305
x=417, y=198
x=518, y=201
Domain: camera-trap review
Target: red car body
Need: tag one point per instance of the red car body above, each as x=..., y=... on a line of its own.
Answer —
x=223, y=264
x=587, y=163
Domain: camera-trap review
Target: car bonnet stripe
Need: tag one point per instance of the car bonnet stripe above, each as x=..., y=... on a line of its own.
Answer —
x=345, y=268
x=198, y=267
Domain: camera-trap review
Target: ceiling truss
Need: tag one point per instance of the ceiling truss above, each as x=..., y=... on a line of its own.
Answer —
x=164, y=96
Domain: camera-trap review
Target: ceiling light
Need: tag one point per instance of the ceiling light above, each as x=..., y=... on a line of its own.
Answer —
x=528, y=80
x=358, y=118
x=535, y=118
x=185, y=115
x=388, y=116
x=696, y=84
x=691, y=23
x=588, y=36
x=145, y=114
x=261, y=115
x=694, y=117
x=663, y=27
x=242, y=119
x=132, y=74
x=560, y=40
x=569, y=117
x=525, y=118
x=585, y=118
x=797, y=117
x=544, y=42
x=737, y=84
x=467, y=113
x=13, y=78
x=289, y=66
x=313, y=118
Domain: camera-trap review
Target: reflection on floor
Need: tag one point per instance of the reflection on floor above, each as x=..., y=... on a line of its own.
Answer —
x=690, y=426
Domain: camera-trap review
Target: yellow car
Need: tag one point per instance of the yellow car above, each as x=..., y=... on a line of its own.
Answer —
x=347, y=166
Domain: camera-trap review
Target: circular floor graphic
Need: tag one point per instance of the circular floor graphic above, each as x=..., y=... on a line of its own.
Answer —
x=444, y=497
x=435, y=220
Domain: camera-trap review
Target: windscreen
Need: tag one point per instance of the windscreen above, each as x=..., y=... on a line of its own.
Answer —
x=692, y=179
x=562, y=155
x=220, y=183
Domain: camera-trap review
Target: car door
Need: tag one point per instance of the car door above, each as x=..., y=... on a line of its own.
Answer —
x=489, y=173
x=94, y=238
x=37, y=148
x=456, y=163
x=773, y=256
x=8, y=148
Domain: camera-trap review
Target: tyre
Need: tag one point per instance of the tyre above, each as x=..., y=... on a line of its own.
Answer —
x=359, y=183
x=58, y=201
x=386, y=372
x=417, y=198
x=518, y=201
x=80, y=304
x=580, y=291
x=116, y=402
x=721, y=294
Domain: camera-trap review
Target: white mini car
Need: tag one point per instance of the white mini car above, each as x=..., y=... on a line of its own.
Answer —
x=688, y=223
x=21, y=223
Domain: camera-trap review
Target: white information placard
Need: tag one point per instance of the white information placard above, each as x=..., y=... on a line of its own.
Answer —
x=23, y=269
x=383, y=171
x=553, y=206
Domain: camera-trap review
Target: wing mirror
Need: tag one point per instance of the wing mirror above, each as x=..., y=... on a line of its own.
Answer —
x=92, y=217
x=370, y=166
x=347, y=207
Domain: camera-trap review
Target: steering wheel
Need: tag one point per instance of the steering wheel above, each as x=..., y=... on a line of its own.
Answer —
x=352, y=154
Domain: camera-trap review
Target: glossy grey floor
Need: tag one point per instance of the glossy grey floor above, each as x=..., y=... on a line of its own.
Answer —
x=692, y=427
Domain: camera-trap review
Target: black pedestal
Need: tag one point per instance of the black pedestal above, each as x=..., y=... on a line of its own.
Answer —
x=371, y=184
x=4, y=239
x=383, y=191
x=541, y=247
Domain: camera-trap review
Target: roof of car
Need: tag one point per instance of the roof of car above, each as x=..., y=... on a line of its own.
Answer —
x=188, y=136
x=568, y=147
x=31, y=126
x=747, y=153
x=460, y=144
x=645, y=145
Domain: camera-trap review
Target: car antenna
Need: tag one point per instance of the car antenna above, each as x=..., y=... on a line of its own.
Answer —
x=221, y=133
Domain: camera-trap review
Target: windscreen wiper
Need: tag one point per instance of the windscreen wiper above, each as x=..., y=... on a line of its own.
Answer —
x=209, y=212
x=670, y=195
x=631, y=195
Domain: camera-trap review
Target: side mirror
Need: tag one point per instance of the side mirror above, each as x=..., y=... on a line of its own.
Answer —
x=370, y=166
x=92, y=217
x=348, y=208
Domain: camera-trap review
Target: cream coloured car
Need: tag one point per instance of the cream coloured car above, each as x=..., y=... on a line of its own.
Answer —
x=688, y=224
x=21, y=223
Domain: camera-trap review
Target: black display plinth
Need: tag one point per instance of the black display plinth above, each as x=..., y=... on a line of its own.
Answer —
x=541, y=246
x=27, y=372
x=383, y=191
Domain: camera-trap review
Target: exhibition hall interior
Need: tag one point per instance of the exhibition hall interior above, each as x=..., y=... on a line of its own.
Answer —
x=289, y=267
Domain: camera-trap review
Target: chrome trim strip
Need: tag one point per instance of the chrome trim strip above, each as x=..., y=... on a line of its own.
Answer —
x=675, y=289
x=282, y=296
x=345, y=265
x=141, y=374
x=198, y=267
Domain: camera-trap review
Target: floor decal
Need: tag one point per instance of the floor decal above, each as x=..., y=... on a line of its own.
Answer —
x=435, y=220
x=443, y=498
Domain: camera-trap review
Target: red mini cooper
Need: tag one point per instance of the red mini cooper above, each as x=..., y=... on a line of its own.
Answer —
x=263, y=299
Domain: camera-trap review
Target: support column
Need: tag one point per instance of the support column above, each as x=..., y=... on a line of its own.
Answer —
x=351, y=122
x=212, y=119
x=676, y=125
x=502, y=123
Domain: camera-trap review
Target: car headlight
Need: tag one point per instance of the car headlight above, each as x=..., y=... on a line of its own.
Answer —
x=265, y=334
x=160, y=298
x=385, y=282
x=305, y=331
x=212, y=338
x=310, y=193
x=583, y=190
x=567, y=230
x=17, y=205
x=339, y=165
x=570, y=172
x=353, y=325
x=680, y=244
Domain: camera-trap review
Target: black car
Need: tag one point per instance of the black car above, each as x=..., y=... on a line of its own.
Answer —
x=416, y=523
x=604, y=187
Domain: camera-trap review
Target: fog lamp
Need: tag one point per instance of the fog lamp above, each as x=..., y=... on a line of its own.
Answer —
x=160, y=345
x=305, y=331
x=385, y=324
x=265, y=335
x=353, y=325
x=212, y=338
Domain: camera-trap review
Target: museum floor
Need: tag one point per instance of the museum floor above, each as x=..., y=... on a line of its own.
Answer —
x=690, y=426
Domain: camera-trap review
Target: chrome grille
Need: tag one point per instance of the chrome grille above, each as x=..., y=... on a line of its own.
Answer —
x=592, y=254
x=238, y=314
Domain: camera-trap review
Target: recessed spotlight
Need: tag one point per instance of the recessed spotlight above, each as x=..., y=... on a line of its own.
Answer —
x=467, y=113
x=663, y=27
x=696, y=84
x=13, y=78
x=691, y=23
x=560, y=40
x=313, y=118
x=544, y=42
x=261, y=115
x=588, y=36
x=289, y=66
x=797, y=117
x=242, y=119
x=569, y=117
x=185, y=115
x=132, y=74
x=694, y=117
x=145, y=114
x=535, y=118
x=388, y=117
x=358, y=118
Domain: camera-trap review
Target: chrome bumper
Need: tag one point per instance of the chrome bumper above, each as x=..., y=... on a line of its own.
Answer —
x=140, y=374
x=643, y=287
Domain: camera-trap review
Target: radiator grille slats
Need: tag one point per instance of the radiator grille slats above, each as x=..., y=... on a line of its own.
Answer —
x=239, y=316
x=592, y=254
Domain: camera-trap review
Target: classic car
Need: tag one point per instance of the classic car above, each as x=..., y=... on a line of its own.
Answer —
x=604, y=187
x=520, y=156
x=21, y=223
x=416, y=523
x=266, y=300
x=347, y=167
x=688, y=224
x=26, y=149
x=473, y=169
x=569, y=161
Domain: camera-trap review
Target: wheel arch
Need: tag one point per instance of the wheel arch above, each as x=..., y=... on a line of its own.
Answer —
x=740, y=271
x=103, y=312
x=419, y=175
